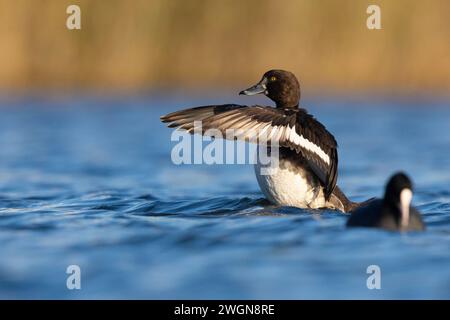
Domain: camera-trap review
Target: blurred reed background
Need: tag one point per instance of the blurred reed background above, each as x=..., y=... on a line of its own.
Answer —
x=144, y=44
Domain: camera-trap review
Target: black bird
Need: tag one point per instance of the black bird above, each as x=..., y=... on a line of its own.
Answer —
x=394, y=212
x=308, y=159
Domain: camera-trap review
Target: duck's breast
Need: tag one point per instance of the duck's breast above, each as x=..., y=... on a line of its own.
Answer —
x=291, y=183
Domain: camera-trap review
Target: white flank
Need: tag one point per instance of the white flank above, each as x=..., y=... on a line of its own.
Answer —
x=290, y=185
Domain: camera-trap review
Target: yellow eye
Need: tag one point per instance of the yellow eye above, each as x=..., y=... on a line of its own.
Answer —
x=273, y=78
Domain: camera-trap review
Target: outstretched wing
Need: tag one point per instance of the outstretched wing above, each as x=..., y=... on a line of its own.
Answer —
x=293, y=128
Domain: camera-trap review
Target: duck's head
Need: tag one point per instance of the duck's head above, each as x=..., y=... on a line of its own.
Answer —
x=280, y=86
x=398, y=196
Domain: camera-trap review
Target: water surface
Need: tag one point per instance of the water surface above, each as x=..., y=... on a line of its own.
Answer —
x=89, y=181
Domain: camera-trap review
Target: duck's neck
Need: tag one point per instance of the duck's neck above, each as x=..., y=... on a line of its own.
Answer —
x=286, y=105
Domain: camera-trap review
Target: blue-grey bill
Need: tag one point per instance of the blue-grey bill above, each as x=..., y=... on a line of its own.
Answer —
x=256, y=89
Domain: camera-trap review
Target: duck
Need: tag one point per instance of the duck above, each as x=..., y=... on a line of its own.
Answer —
x=307, y=171
x=394, y=212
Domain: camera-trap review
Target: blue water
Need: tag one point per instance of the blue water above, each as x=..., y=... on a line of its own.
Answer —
x=89, y=181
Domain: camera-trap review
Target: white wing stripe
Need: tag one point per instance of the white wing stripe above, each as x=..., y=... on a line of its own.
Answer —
x=279, y=134
x=297, y=139
x=272, y=133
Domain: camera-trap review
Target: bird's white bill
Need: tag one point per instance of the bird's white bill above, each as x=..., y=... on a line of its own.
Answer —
x=405, y=203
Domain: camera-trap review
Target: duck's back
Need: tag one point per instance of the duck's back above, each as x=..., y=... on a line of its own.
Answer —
x=366, y=216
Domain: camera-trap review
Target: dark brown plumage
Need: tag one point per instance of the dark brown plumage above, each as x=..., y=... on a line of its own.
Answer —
x=392, y=212
x=283, y=88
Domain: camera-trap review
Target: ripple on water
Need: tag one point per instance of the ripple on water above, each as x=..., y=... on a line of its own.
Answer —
x=102, y=200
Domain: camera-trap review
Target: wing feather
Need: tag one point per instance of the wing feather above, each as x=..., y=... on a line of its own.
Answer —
x=291, y=128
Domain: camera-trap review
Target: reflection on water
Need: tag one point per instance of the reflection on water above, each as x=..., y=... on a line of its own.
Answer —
x=86, y=184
